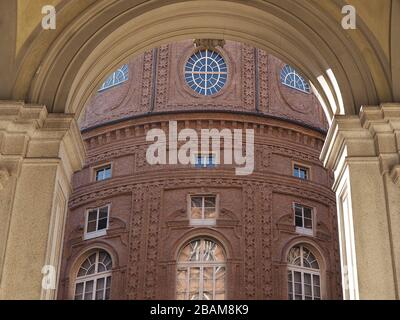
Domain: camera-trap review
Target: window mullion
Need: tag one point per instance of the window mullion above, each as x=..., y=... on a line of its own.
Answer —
x=293, y=286
x=188, y=284
x=201, y=283
x=94, y=293
x=213, y=281
x=203, y=203
x=312, y=286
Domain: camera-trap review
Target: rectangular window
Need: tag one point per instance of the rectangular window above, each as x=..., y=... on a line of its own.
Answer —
x=301, y=172
x=96, y=222
x=103, y=173
x=203, y=209
x=303, y=219
x=205, y=160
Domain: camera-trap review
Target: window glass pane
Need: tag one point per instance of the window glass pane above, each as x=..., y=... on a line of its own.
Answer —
x=299, y=222
x=89, y=290
x=197, y=202
x=99, y=175
x=103, y=212
x=317, y=292
x=298, y=210
x=79, y=291
x=92, y=216
x=308, y=223
x=297, y=277
x=100, y=288
x=91, y=226
x=102, y=224
x=307, y=278
x=209, y=202
x=210, y=213
x=307, y=213
x=107, y=173
x=196, y=213
x=106, y=260
x=298, y=288
x=308, y=290
x=316, y=280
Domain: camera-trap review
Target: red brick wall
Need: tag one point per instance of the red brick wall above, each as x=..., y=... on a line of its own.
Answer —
x=149, y=219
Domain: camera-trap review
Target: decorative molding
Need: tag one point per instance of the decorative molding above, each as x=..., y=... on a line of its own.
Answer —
x=264, y=73
x=266, y=241
x=210, y=44
x=249, y=226
x=147, y=80
x=29, y=131
x=4, y=176
x=162, y=81
x=248, y=80
x=135, y=242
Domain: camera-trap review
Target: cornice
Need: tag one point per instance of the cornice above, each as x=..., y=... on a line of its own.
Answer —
x=179, y=178
x=374, y=134
x=254, y=117
x=29, y=131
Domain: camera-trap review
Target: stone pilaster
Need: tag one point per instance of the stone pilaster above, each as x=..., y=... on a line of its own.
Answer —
x=363, y=151
x=38, y=154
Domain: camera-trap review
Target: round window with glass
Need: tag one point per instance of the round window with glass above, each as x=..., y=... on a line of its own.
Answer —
x=206, y=72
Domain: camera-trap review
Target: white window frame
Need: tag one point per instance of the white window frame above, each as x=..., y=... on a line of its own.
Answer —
x=304, y=270
x=304, y=230
x=301, y=167
x=205, y=154
x=94, y=277
x=200, y=265
x=97, y=233
x=202, y=221
x=124, y=69
x=102, y=167
x=289, y=70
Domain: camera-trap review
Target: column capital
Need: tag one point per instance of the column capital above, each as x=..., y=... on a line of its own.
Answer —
x=373, y=134
x=29, y=132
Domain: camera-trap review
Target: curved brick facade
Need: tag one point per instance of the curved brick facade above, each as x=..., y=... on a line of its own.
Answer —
x=149, y=213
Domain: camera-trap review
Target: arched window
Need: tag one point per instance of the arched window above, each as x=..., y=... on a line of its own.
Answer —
x=304, y=278
x=119, y=76
x=206, y=72
x=290, y=78
x=201, y=271
x=93, y=281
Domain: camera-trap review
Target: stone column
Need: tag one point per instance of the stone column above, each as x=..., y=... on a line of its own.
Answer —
x=38, y=154
x=363, y=152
